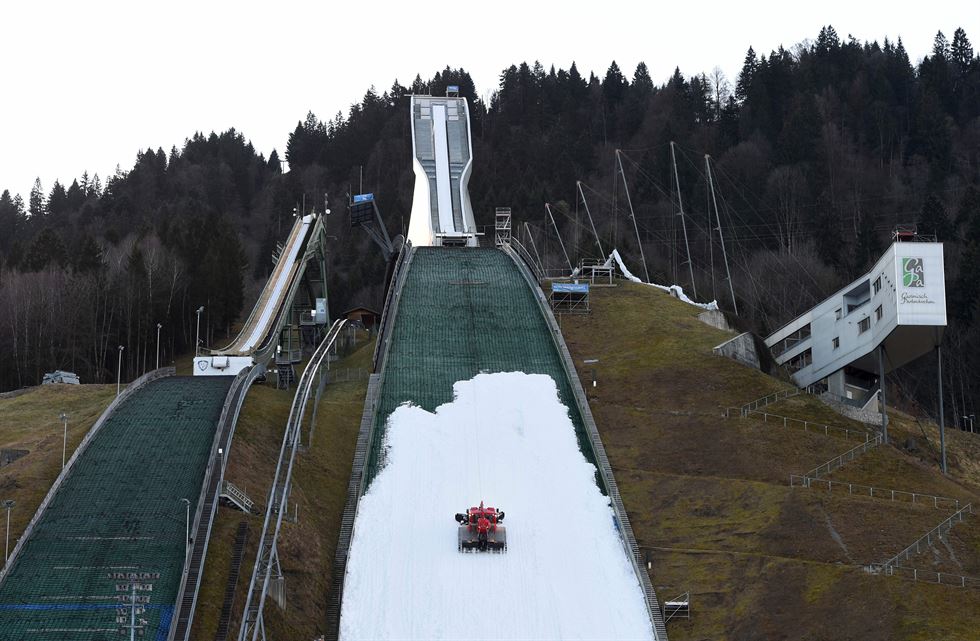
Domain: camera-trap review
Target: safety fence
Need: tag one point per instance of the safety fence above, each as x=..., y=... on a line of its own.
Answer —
x=768, y=400
x=926, y=576
x=926, y=540
x=266, y=572
x=807, y=426
x=898, y=496
x=838, y=461
x=347, y=375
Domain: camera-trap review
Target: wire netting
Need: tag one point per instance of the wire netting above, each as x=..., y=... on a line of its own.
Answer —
x=464, y=311
x=118, y=519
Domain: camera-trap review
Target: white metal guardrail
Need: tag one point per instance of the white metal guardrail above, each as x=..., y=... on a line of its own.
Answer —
x=934, y=534
x=769, y=399
x=277, y=505
x=926, y=576
x=808, y=426
x=838, y=461
x=207, y=505
x=383, y=327
x=884, y=494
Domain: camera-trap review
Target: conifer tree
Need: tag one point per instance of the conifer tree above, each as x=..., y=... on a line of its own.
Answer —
x=57, y=200
x=744, y=81
x=47, y=249
x=961, y=51
x=36, y=205
x=933, y=219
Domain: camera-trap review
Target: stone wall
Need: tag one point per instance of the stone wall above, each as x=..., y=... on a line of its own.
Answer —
x=714, y=318
x=740, y=349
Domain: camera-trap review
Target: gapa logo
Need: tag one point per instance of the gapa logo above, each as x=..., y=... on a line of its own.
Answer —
x=913, y=273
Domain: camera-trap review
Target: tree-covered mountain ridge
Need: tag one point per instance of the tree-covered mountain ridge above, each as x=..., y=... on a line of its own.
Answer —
x=817, y=153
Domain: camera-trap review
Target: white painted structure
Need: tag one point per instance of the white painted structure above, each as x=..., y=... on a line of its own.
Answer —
x=442, y=158
x=238, y=355
x=221, y=365
x=900, y=304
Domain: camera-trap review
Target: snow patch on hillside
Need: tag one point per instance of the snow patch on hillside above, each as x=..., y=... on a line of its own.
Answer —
x=505, y=439
x=674, y=290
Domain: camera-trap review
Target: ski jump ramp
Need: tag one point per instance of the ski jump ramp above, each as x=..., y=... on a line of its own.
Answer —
x=476, y=398
x=252, y=343
x=105, y=555
x=442, y=158
x=460, y=317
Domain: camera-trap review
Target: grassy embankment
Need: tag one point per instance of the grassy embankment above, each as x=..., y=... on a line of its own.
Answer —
x=710, y=501
x=319, y=490
x=29, y=421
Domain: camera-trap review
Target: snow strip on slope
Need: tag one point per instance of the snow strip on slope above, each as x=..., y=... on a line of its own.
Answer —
x=674, y=290
x=508, y=440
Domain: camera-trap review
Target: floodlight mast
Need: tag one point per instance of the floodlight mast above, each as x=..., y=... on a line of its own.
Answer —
x=578, y=183
x=197, y=336
x=680, y=207
x=629, y=201
x=64, y=444
x=724, y=253
x=557, y=233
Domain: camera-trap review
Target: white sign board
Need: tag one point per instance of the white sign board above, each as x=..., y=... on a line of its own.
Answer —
x=920, y=279
x=220, y=365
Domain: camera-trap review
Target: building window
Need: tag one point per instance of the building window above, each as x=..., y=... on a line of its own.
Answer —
x=878, y=314
x=792, y=340
x=864, y=325
x=878, y=285
x=836, y=342
x=801, y=360
x=837, y=314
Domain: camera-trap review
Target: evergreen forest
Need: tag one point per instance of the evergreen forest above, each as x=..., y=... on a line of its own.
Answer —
x=818, y=154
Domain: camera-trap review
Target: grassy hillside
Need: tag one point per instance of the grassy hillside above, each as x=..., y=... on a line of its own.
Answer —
x=319, y=490
x=29, y=421
x=710, y=500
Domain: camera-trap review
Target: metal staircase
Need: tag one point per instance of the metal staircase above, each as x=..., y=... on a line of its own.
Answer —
x=237, y=552
x=236, y=496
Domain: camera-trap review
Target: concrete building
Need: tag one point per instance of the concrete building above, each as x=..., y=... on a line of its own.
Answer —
x=896, y=312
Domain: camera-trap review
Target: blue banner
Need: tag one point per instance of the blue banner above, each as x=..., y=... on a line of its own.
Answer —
x=570, y=288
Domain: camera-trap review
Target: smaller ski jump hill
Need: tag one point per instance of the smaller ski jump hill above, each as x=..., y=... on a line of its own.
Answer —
x=114, y=524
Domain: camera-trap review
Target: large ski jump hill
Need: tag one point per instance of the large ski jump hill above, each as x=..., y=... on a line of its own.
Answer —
x=506, y=438
x=475, y=404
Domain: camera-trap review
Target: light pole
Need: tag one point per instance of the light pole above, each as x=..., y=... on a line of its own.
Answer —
x=7, y=505
x=159, y=326
x=119, y=370
x=187, y=525
x=64, y=443
x=197, y=338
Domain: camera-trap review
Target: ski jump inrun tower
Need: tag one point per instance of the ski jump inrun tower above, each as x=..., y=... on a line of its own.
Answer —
x=443, y=160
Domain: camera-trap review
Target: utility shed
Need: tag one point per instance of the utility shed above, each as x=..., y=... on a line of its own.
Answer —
x=363, y=315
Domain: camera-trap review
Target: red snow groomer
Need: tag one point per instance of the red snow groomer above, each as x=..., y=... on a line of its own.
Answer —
x=480, y=530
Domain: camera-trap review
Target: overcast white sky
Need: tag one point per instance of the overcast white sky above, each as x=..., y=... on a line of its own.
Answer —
x=85, y=85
